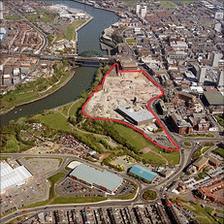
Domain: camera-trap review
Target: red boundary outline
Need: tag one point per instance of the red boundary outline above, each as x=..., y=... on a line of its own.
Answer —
x=148, y=106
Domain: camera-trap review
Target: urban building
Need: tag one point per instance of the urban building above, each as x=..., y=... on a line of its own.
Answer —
x=216, y=59
x=214, y=100
x=142, y=173
x=219, y=15
x=201, y=163
x=213, y=191
x=141, y=10
x=1, y=11
x=202, y=75
x=101, y=179
x=220, y=81
x=180, y=125
x=140, y=117
x=11, y=177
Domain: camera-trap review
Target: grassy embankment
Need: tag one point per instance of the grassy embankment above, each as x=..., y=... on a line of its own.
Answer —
x=34, y=90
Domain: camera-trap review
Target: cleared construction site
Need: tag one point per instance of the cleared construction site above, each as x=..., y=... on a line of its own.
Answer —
x=126, y=92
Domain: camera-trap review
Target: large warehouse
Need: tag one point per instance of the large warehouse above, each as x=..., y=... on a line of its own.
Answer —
x=101, y=179
x=12, y=177
x=142, y=173
x=135, y=117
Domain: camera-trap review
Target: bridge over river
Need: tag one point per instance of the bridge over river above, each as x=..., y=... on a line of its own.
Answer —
x=73, y=58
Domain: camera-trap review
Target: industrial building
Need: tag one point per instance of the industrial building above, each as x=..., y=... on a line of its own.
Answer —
x=142, y=173
x=93, y=177
x=12, y=177
x=136, y=117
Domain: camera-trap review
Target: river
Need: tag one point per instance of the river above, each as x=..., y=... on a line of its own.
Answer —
x=88, y=39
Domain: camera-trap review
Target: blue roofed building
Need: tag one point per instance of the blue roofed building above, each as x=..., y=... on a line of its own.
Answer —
x=142, y=173
x=102, y=179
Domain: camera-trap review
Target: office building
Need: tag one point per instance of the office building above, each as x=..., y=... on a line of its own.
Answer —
x=1, y=10
x=219, y=15
x=220, y=81
x=202, y=74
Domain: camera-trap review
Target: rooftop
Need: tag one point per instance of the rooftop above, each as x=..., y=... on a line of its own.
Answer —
x=143, y=172
x=12, y=177
x=138, y=116
x=214, y=98
x=97, y=177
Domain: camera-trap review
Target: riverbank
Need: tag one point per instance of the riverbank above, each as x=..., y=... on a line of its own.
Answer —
x=50, y=90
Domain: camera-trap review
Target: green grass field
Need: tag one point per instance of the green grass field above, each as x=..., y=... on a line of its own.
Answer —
x=70, y=109
x=168, y=4
x=53, y=180
x=220, y=119
x=42, y=15
x=219, y=151
x=54, y=120
x=149, y=195
x=153, y=159
x=12, y=17
x=68, y=32
x=172, y=157
x=131, y=41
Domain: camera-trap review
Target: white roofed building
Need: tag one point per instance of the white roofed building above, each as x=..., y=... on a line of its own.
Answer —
x=12, y=177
